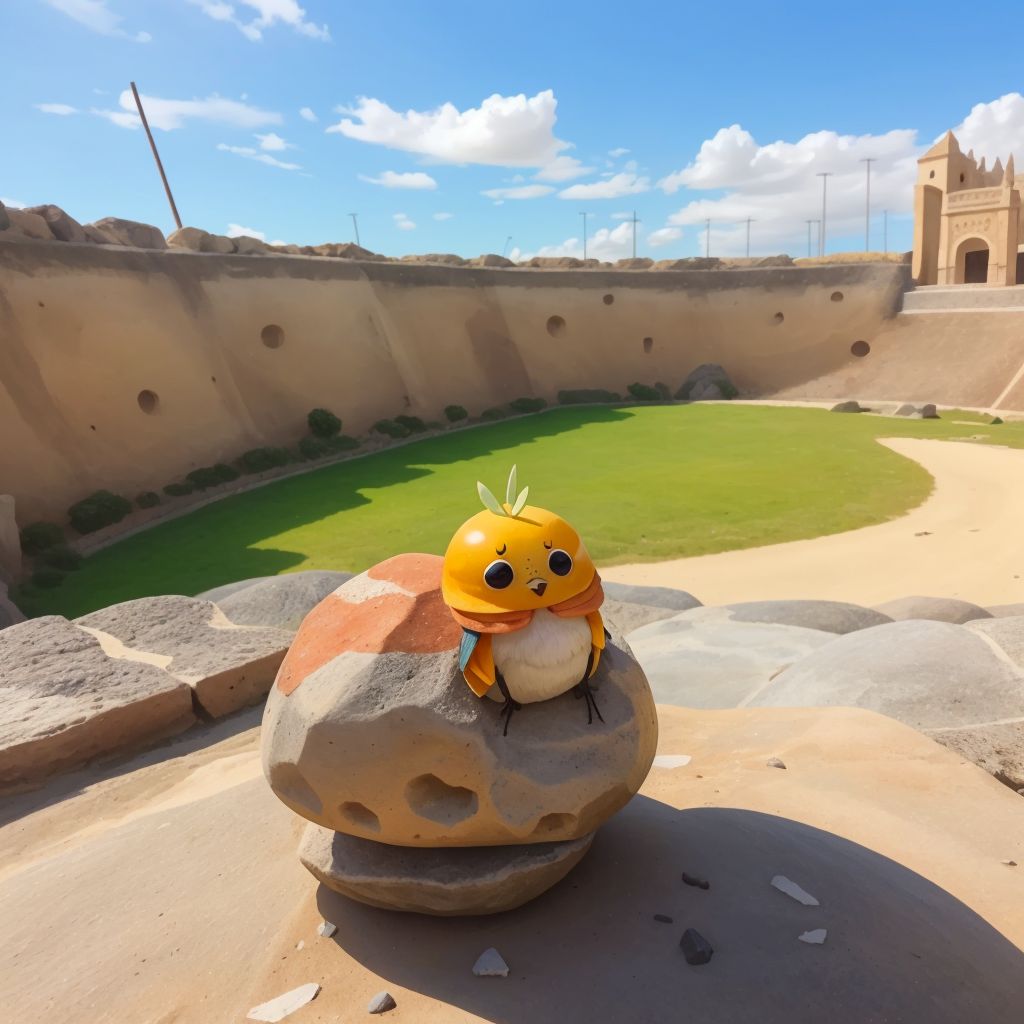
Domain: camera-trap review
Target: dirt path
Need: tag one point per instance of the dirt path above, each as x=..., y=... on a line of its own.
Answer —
x=966, y=541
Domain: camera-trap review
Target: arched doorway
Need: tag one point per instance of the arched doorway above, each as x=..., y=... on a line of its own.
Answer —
x=972, y=261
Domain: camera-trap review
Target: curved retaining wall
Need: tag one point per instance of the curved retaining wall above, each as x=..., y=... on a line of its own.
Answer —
x=125, y=368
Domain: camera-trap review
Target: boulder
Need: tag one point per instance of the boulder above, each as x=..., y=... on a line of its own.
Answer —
x=441, y=882
x=717, y=664
x=371, y=730
x=906, y=410
x=62, y=226
x=690, y=263
x=490, y=260
x=1005, y=611
x=997, y=747
x=635, y=263
x=915, y=412
x=133, y=233
x=555, y=262
x=629, y=607
x=827, y=616
x=228, y=666
x=246, y=245
x=849, y=406
x=64, y=702
x=444, y=258
x=200, y=241
x=708, y=382
x=937, y=609
x=1006, y=633
x=28, y=225
x=281, y=601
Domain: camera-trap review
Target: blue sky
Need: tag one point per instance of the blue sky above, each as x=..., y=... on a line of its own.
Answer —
x=432, y=120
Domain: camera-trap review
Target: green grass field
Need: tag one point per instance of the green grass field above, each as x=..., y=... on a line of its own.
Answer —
x=640, y=484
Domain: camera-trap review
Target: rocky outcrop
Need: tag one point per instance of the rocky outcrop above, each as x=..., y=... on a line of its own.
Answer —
x=25, y=225
x=446, y=259
x=490, y=260
x=689, y=263
x=630, y=607
x=936, y=609
x=132, y=233
x=707, y=383
x=828, y=616
x=62, y=226
x=200, y=241
x=281, y=602
x=554, y=263
x=635, y=263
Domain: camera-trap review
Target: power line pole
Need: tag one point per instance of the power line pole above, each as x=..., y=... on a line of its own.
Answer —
x=867, y=161
x=824, y=175
x=809, y=222
x=635, y=222
x=749, y=219
x=707, y=237
x=504, y=249
x=355, y=224
x=584, y=216
x=156, y=155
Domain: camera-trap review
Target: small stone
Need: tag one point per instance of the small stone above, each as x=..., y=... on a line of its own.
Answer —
x=696, y=948
x=783, y=884
x=663, y=918
x=284, y=1005
x=381, y=1003
x=327, y=930
x=1009, y=863
x=301, y=944
x=693, y=880
x=490, y=965
x=775, y=762
x=815, y=937
x=672, y=760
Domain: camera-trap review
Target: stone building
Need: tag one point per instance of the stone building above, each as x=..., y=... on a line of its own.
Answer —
x=967, y=227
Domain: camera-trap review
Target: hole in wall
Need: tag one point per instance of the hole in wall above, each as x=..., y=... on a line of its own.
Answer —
x=836, y=296
x=360, y=815
x=931, y=174
x=961, y=179
x=214, y=379
x=556, y=326
x=92, y=426
x=149, y=401
x=42, y=305
x=648, y=344
x=272, y=336
x=608, y=300
x=434, y=799
x=778, y=318
x=860, y=349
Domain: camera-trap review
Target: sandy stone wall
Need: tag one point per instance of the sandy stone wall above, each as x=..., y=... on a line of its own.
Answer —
x=124, y=368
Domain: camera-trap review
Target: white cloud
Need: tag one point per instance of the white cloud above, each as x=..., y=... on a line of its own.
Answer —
x=519, y=192
x=251, y=153
x=307, y=114
x=268, y=13
x=562, y=168
x=618, y=185
x=616, y=153
x=604, y=244
x=14, y=204
x=402, y=222
x=443, y=216
x=406, y=179
x=994, y=129
x=663, y=236
x=98, y=17
x=171, y=114
x=238, y=230
x=273, y=142
x=504, y=131
x=61, y=109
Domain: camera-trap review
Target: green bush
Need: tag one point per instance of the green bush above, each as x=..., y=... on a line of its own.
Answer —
x=454, y=413
x=37, y=537
x=644, y=392
x=497, y=413
x=392, y=428
x=728, y=389
x=996, y=420
x=147, y=499
x=664, y=392
x=323, y=423
x=342, y=443
x=60, y=557
x=527, y=404
x=179, y=490
x=314, y=447
x=587, y=396
x=412, y=423
x=47, y=577
x=211, y=476
x=259, y=460
x=98, y=510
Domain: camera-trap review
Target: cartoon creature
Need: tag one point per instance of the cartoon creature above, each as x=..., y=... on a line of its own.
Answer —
x=519, y=581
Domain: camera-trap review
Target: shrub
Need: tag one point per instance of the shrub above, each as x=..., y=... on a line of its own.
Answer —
x=392, y=428
x=147, y=499
x=454, y=413
x=37, y=537
x=497, y=413
x=323, y=423
x=60, y=557
x=211, y=476
x=728, y=389
x=314, y=447
x=342, y=443
x=587, y=396
x=996, y=420
x=643, y=392
x=259, y=460
x=47, y=577
x=412, y=423
x=179, y=490
x=527, y=404
x=664, y=391
x=98, y=510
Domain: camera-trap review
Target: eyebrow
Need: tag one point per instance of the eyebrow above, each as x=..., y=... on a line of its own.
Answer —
x=501, y=550
x=549, y=544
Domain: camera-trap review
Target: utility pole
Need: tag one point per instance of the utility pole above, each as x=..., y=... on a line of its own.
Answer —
x=867, y=161
x=504, y=249
x=824, y=175
x=885, y=230
x=809, y=223
x=707, y=237
x=156, y=155
x=749, y=219
x=635, y=222
x=584, y=216
x=355, y=224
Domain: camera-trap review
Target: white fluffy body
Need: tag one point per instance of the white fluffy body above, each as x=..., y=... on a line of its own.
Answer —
x=545, y=659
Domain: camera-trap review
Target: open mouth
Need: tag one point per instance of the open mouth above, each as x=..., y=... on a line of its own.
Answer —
x=538, y=586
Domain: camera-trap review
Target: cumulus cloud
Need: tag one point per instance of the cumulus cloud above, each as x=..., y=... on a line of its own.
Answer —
x=518, y=192
x=402, y=222
x=406, y=179
x=443, y=216
x=250, y=153
x=170, y=114
x=562, y=168
x=61, y=109
x=14, y=204
x=663, y=236
x=238, y=230
x=617, y=152
x=273, y=142
x=307, y=114
x=613, y=187
x=96, y=16
x=994, y=129
x=604, y=244
x=504, y=131
x=267, y=14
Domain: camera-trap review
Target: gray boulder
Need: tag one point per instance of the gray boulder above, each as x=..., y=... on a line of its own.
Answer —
x=629, y=607
x=62, y=225
x=936, y=609
x=635, y=263
x=851, y=406
x=490, y=260
x=708, y=382
x=1005, y=611
x=828, y=616
x=1006, y=633
x=133, y=233
x=281, y=601
x=200, y=241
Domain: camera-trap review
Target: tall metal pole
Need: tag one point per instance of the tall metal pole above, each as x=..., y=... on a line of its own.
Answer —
x=707, y=237
x=867, y=161
x=355, y=224
x=504, y=249
x=584, y=216
x=156, y=155
x=635, y=222
x=749, y=219
x=824, y=175
x=809, y=223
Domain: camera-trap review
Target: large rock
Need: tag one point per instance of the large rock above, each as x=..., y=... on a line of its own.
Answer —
x=707, y=383
x=63, y=702
x=228, y=666
x=690, y=263
x=490, y=260
x=629, y=607
x=634, y=263
x=828, y=616
x=200, y=241
x=937, y=609
x=116, y=231
x=555, y=262
x=717, y=664
x=1005, y=611
x=246, y=245
x=28, y=225
x=444, y=258
x=281, y=601
x=371, y=730
x=62, y=225
x=442, y=882
x=1006, y=633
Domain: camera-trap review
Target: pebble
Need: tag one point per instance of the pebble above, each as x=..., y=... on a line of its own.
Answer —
x=326, y=929
x=1009, y=863
x=783, y=884
x=381, y=1003
x=815, y=937
x=775, y=762
x=693, y=880
x=696, y=948
x=663, y=918
x=284, y=1005
x=672, y=760
x=490, y=965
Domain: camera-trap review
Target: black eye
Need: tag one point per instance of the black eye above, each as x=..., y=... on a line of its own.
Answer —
x=498, y=575
x=559, y=562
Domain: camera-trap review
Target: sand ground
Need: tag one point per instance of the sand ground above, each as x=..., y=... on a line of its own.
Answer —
x=966, y=541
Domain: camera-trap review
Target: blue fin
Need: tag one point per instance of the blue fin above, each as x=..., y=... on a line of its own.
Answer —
x=466, y=647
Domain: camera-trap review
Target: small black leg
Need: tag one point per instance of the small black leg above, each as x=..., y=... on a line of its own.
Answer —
x=583, y=689
x=510, y=706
